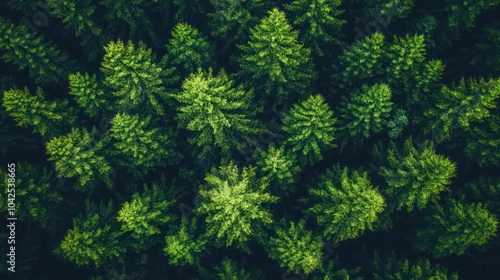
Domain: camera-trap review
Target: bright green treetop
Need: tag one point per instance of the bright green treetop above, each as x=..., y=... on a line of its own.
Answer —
x=310, y=128
x=88, y=93
x=345, y=203
x=235, y=204
x=182, y=247
x=231, y=270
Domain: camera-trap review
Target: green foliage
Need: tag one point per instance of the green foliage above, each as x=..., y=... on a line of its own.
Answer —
x=392, y=268
x=487, y=55
x=426, y=25
x=390, y=9
x=218, y=113
x=487, y=191
x=230, y=270
x=455, y=227
x=280, y=66
x=182, y=247
x=462, y=14
x=367, y=110
x=88, y=94
x=332, y=270
x=49, y=118
x=397, y=123
x=345, y=203
x=77, y=156
x=483, y=143
x=415, y=177
x=310, y=128
x=318, y=20
x=234, y=203
x=296, y=248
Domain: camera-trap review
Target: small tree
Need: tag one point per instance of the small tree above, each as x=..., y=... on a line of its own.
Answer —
x=88, y=93
x=182, y=246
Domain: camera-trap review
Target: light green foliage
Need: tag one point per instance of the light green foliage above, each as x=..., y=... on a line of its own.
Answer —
x=296, y=248
x=397, y=123
x=455, y=227
x=188, y=49
x=487, y=191
x=141, y=145
x=457, y=106
x=404, y=55
x=133, y=76
x=279, y=167
x=76, y=156
x=392, y=268
x=415, y=177
x=45, y=63
x=230, y=270
x=182, y=247
x=345, y=203
x=310, y=128
x=280, y=66
x=49, y=118
x=462, y=14
x=333, y=271
x=367, y=110
x=218, y=113
x=318, y=20
x=235, y=204
x=88, y=93
x=93, y=239
x=483, y=143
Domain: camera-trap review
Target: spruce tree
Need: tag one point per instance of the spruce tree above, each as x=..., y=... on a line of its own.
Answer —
x=487, y=191
x=482, y=142
x=88, y=93
x=182, y=246
x=389, y=10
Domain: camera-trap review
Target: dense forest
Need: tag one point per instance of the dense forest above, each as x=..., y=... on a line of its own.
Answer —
x=250, y=139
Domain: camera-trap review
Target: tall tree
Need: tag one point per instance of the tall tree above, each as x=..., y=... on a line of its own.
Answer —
x=345, y=203
x=182, y=246
x=453, y=228
x=275, y=60
x=234, y=203
x=310, y=128
x=88, y=93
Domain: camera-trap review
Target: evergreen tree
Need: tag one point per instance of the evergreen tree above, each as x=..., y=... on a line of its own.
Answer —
x=182, y=246
x=397, y=123
x=367, y=110
x=487, y=53
x=487, y=191
x=88, y=93
x=319, y=21
x=279, y=65
x=218, y=113
x=345, y=203
x=45, y=63
x=235, y=204
x=333, y=270
x=455, y=227
x=482, y=142
x=386, y=9
x=49, y=118
x=415, y=177
x=76, y=156
x=310, y=129
x=296, y=248
x=231, y=270
x=462, y=14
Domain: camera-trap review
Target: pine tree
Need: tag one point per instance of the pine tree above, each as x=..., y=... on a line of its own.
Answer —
x=345, y=203
x=318, y=20
x=49, y=118
x=218, y=113
x=189, y=50
x=333, y=270
x=415, y=177
x=182, y=246
x=88, y=93
x=234, y=203
x=389, y=10
x=487, y=53
x=397, y=123
x=76, y=156
x=367, y=110
x=462, y=14
x=454, y=228
x=231, y=270
x=487, y=191
x=482, y=142
x=310, y=129
x=296, y=248
x=279, y=65
x=45, y=63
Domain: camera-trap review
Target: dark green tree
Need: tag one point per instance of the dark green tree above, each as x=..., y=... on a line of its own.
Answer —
x=182, y=246
x=482, y=142
x=462, y=14
x=487, y=191
x=487, y=52
x=88, y=93
x=397, y=123
x=389, y=10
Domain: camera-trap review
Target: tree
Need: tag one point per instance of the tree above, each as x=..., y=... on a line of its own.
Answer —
x=367, y=110
x=387, y=9
x=462, y=14
x=49, y=118
x=218, y=113
x=397, y=123
x=486, y=55
x=234, y=203
x=76, y=156
x=482, y=143
x=487, y=191
x=133, y=77
x=310, y=128
x=45, y=63
x=93, y=240
x=296, y=248
x=333, y=270
x=273, y=58
x=182, y=246
x=455, y=227
x=415, y=177
x=189, y=50
x=142, y=147
x=319, y=21
x=88, y=93
x=345, y=203
x=231, y=270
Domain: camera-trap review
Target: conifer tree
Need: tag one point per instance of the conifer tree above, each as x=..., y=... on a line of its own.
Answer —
x=455, y=227
x=397, y=123
x=345, y=203
x=182, y=246
x=231, y=270
x=333, y=270
x=296, y=248
x=319, y=22
x=389, y=10
x=88, y=93
x=367, y=110
x=76, y=156
x=279, y=65
x=415, y=177
x=462, y=14
x=310, y=129
x=49, y=118
x=487, y=191
x=482, y=142
x=487, y=53
x=234, y=203
x=45, y=63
